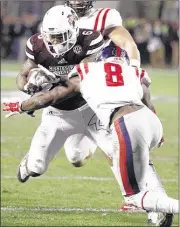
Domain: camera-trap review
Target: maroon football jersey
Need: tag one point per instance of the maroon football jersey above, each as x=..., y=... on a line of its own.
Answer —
x=88, y=42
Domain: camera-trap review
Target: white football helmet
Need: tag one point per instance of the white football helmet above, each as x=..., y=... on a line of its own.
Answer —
x=59, y=29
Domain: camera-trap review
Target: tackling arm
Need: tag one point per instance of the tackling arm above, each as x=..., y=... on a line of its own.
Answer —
x=147, y=101
x=122, y=38
x=43, y=99
x=21, y=79
x=147, y=98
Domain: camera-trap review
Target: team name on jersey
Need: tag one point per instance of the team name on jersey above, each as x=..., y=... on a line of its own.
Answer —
x=61, y=70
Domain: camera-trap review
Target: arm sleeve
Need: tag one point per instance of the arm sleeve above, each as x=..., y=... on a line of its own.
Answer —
x=145, y=79
x=29, y=49
x=95, y=43
x=113, y=19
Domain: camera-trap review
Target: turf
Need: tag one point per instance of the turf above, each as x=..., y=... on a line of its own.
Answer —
x=51, y=191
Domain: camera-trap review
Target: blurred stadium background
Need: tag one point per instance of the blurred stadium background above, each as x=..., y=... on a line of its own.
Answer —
x=154, y=26
x=64, y=195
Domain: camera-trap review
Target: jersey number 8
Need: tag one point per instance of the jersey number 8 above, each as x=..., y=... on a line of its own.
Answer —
x=114, y=76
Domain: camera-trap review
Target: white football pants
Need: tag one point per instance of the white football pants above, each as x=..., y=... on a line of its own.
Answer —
x=80, y=127
x=134, y=136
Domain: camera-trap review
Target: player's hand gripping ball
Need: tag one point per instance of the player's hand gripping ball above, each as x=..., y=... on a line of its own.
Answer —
x=38, y=80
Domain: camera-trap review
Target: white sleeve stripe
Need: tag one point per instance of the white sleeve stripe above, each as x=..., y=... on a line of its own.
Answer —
x=29, y=55
x=29, y=45
x=95, y=50
x=97, y=40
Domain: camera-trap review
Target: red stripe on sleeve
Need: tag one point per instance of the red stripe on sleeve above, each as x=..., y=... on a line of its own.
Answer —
x=137, y=72
x=104, y=20
x=86, y=68
x=97, y=20
x=142, y=74
x=118, y=51
x=80, y=71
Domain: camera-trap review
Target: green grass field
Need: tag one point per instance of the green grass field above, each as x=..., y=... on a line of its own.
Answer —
x=52, y=200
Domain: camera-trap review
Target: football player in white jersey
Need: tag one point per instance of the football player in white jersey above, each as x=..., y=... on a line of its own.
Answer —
x=109, y=23
x=117, y=97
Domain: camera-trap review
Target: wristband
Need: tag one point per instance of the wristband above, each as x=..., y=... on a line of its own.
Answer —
x=134, y=62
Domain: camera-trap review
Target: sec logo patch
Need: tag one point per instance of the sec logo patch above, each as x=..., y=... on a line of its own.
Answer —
x=77, y=49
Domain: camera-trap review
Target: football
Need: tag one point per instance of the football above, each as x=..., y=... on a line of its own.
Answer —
x=39, y=78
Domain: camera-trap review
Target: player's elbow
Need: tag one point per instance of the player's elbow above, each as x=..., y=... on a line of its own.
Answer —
x=148, y=103
x=122, y=38
x=19, y=83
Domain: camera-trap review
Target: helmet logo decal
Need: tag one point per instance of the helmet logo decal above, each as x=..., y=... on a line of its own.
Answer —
x=71, y=19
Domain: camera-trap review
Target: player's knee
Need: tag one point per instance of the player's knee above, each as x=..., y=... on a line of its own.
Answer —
x=81, y=160
x=76, y=161
x=76, y=158
x=79, y=163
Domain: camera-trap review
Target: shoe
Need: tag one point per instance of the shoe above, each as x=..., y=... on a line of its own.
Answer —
x=164, y=220
x=131, y=209
x=23, y=174
x=152, y=217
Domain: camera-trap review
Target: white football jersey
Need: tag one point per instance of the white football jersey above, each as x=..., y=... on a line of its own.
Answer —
x=108, y=85
x=101, y=20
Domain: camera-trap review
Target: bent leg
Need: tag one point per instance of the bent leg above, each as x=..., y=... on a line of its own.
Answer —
x=79, y=148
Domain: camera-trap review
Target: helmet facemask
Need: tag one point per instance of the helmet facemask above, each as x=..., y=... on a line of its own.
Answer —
x=81, y=7
x=60, y=30
x=59, y=43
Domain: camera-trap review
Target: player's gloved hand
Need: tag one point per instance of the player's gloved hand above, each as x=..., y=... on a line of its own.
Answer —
x=161, y=142
x=31, y=88
x=13, y=106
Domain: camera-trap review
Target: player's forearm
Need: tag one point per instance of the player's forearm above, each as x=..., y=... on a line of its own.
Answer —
x=122, y=38
x=21, y=79
x=43, y=99
x=147, y=98
x=38, y=101
x=149, y=104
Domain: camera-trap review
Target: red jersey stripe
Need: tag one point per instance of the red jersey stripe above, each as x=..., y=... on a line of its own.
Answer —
x=118, y=51
x=97, y=20
x=86, y=68
x=142, y=74
x=104, y=20
x=80, y=71
x=137, y=72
